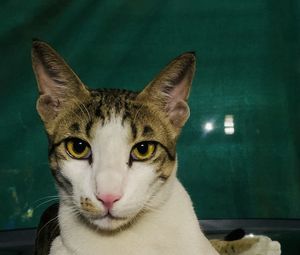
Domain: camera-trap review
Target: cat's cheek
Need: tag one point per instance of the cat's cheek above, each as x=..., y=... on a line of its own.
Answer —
x=79, y=174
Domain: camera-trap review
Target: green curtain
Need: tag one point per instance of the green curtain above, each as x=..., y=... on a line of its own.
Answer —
x=247, y=79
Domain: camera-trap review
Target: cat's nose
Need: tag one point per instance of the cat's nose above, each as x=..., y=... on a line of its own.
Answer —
x=108, y=200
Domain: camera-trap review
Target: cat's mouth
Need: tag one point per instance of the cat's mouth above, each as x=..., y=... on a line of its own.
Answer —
x=110, y=216
x=109, y=222
x=107, y=216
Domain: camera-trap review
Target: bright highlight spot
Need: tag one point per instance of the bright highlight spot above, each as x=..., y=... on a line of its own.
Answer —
x=208, y=126
x=229, y=125
x=29, y=213
x=229, y=130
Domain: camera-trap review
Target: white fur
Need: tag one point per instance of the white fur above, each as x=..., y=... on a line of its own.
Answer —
x=172, y=229
x=169, y=225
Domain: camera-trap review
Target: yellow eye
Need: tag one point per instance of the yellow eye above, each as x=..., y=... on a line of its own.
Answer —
x=143, y=151
x=78, y=148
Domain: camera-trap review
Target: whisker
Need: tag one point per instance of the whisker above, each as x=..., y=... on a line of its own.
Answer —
x=45, y=202
x=137, y=113
x=88, y=113
x=55, y=218
x=71, y=210
x=54, y=197
x=76, y=114
x=44, y=198
x=82, y=108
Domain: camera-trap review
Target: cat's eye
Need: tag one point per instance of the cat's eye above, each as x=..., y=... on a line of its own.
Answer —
x=143, y=151
x=78, y=148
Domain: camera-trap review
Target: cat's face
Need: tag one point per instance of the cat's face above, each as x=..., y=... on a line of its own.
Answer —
x=112, y=152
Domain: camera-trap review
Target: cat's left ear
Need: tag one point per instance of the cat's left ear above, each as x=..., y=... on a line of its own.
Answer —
x=170, y=89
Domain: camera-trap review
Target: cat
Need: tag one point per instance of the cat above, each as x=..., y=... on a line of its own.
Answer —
x=113, y=156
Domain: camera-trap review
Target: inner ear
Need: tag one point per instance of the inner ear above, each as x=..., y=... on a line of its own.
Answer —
x=180, y=90
x=47, y=107
x=179, y=113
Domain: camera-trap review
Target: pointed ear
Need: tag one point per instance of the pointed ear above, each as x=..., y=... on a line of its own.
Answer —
x=170, y=89
x=57, y=83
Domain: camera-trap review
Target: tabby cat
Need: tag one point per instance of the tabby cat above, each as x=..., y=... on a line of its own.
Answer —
x=113, y=155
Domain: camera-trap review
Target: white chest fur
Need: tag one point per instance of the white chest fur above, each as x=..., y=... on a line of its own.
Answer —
x=171, y=230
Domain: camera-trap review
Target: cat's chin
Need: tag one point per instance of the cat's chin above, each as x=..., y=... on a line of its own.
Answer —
x=110, y=223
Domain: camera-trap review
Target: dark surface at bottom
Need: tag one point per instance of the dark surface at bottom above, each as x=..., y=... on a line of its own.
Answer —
x=287, y=232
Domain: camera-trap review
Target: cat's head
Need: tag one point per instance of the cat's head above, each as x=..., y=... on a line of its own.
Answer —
x=112, y=152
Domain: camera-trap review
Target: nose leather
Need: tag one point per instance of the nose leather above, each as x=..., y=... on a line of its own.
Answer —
x=108, y=200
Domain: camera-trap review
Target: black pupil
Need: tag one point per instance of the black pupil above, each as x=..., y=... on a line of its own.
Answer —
x=142, y=148
x=79, y=146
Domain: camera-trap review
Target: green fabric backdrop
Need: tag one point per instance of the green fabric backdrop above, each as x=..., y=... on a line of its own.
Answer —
x=248, y=67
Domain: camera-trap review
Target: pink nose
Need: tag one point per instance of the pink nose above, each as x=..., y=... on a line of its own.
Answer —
x=108, y=200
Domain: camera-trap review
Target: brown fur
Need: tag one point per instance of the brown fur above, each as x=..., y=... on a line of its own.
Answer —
x=87, y=205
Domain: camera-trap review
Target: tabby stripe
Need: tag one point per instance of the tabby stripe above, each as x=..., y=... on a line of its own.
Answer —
x=147, y=131
x=88, y=128
x=126, y=115
x=63, y=182
x=159, y=169
x=118, y=106
x=75, y=127
x=99, y=113
x=161, y=164
x=60, y=156
x=108, y=114
x=170, y=156
x=133, y=130
x=52, y=147
x=163, y=177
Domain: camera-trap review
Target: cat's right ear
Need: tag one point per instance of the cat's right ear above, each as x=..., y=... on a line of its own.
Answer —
x=170, y=89
x=57, y=83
